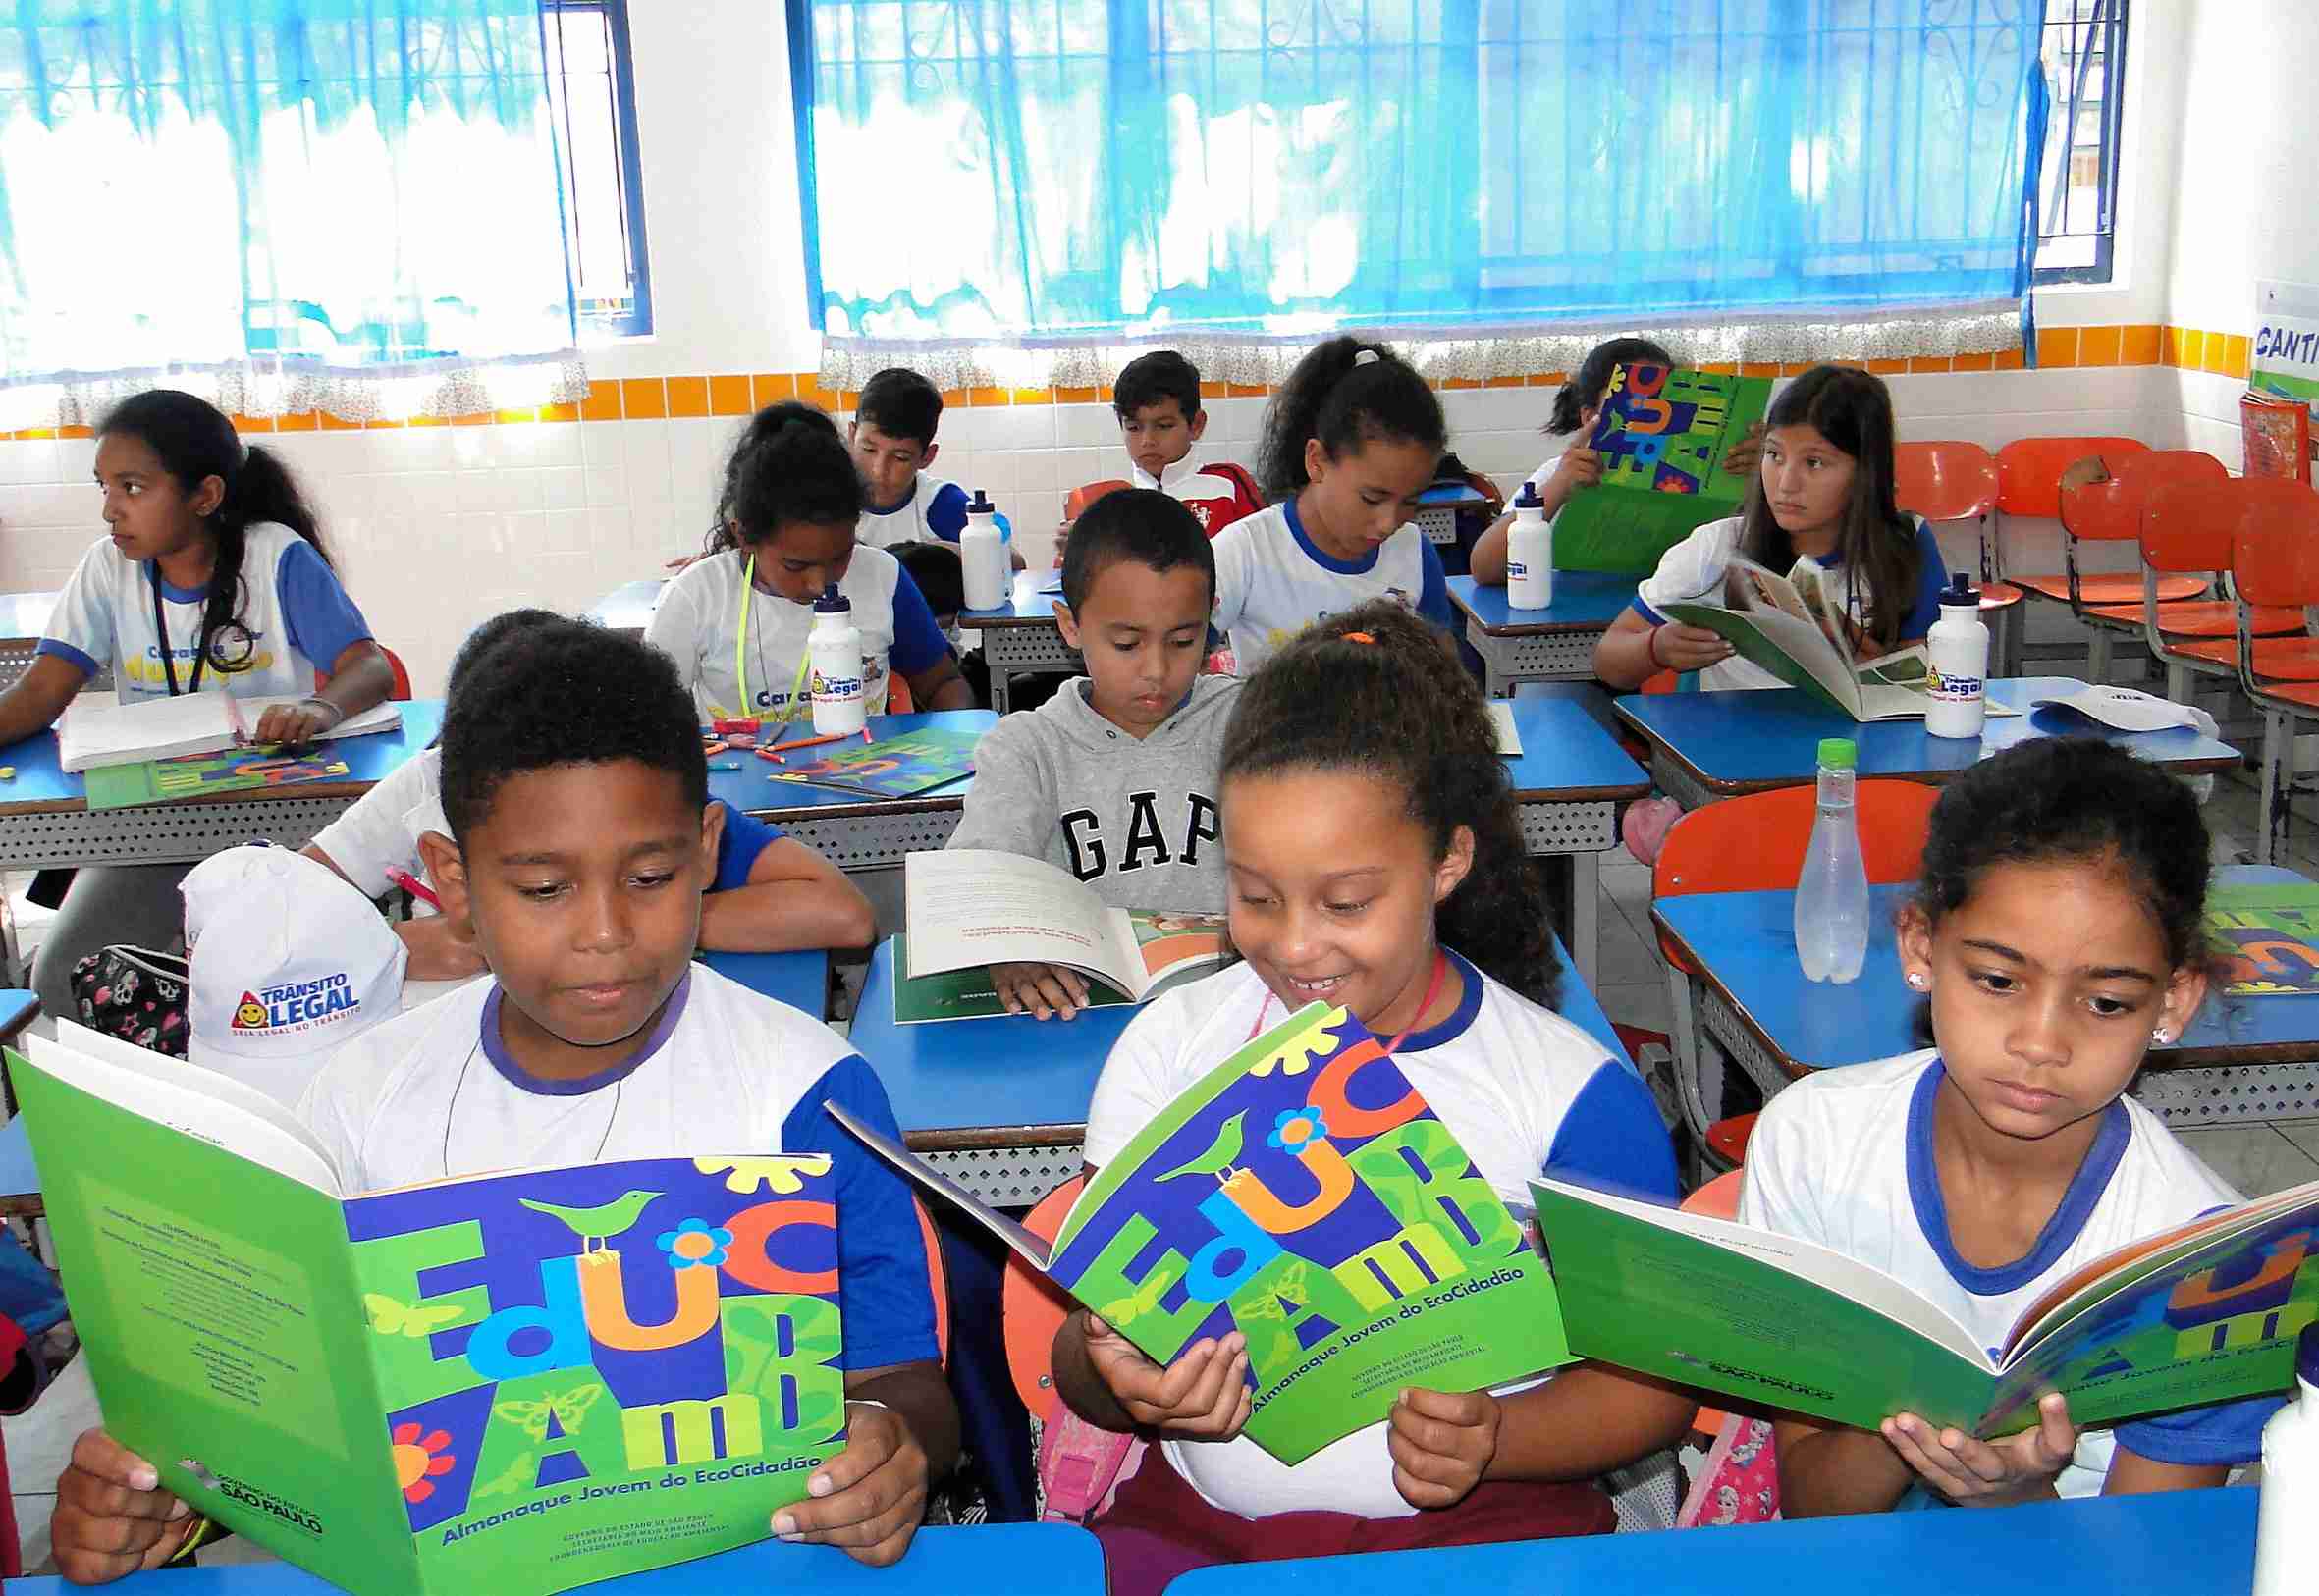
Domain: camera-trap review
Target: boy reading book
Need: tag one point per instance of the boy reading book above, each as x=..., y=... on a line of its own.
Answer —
x=580, y=838
x=1157, y=399
x=1113, y=778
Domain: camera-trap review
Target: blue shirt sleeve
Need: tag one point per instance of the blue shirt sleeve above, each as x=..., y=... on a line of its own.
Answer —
x=2230, y=1432
x=945, y=516
x=323, y=621
x=1646, y=611
x=745, y=837
x=917, y=641
x=1933, y=579
x=1612, y=1139
x=882, y=1288
x=1433, y=594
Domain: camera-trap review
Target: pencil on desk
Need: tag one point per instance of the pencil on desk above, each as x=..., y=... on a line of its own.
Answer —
x=856, y=787
x=812, y=742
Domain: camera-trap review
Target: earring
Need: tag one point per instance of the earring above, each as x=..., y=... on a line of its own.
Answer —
x=1918, y=980
x=2162, y=1036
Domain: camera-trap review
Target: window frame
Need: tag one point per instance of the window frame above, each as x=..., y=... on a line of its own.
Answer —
x=2116, y=16
x=637, y=321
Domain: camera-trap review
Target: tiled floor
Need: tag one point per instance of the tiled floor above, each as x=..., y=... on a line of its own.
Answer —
x=1632, y=985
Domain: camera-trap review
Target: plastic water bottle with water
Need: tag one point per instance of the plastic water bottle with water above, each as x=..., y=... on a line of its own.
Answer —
x=1832, y=894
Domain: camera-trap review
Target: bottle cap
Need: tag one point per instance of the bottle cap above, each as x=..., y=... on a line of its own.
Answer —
x=832, y=603
x=1960, y=592
x=2307, y=1354
x=1528, y=497
x=982, y=505
x=1839, y=753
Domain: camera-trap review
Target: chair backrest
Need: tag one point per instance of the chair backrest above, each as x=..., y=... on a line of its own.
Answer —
x=1031, y=1309
x=2111, y=511
x=1718, y=1199
x=2029, y=469
x=1082, y=497
x=1756, y=843
x=400, y=691
x=937, y=1280
x=1944, y=479
x=2275, y=550
x=2188, y=526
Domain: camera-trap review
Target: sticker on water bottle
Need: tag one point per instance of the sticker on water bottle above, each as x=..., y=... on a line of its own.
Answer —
x=1950, y=690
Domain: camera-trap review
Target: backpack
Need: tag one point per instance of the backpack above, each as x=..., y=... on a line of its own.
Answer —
x=136, y=995
x=1081, y=1467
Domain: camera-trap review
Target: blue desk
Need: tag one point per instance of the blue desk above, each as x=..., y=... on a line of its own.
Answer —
x=1758, y=1006
x=999, y=1104
x=800, y=980
x=1715, y=745
x=961, y=1561
x=1569, y=780
x=628, y=609
x=2184, y=1543
x=45, y=820
x=855, y=833
x=1020, y=638
x=1553, y=644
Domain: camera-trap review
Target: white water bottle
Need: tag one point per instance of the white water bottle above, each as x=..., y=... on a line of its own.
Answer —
x=1958, y=647
x=2286, y=1528
x=1529, y=552
x=833, y=653
x=982, y=555
x=1832, y=894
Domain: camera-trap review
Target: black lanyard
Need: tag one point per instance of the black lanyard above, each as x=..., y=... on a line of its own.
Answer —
x=161, y=629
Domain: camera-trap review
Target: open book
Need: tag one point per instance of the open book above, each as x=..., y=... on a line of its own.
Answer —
x=515, y=1382
x=1303, y=1193
x=90, y=735
x=2206, y=1312
x=1793, y=627
x=1663, y=435
x=970, y=908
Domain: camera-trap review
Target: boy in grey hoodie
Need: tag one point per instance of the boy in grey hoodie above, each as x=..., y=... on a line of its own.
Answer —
x=1113, y=778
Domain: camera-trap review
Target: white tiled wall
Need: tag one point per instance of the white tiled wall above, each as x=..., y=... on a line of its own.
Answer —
x=436, y=528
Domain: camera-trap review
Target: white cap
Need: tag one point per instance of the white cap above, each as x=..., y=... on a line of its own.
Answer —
x=289, y=962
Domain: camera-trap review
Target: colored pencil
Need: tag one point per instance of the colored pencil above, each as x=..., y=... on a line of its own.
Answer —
x=414, y=887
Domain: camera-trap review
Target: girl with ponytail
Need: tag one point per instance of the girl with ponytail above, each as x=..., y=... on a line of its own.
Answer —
x=735, y=622
x=1350, y=442
x=213, y=579
x=1374, y=863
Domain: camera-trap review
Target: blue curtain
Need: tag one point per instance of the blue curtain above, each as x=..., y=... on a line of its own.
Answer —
x=293, y=187
x=1041, y=171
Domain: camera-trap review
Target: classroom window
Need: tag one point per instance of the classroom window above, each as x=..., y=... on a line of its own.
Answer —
x=592, y=92
x=1038, y=174
x=2083, y=57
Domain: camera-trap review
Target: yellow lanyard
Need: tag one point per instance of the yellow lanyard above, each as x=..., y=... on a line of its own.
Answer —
x=740, y=649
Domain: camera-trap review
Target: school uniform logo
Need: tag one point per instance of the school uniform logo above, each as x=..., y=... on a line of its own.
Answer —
x=298, y=1005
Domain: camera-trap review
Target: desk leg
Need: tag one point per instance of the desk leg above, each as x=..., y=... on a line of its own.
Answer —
x=1494, y=675
x=1586, y=911
x=999, y=680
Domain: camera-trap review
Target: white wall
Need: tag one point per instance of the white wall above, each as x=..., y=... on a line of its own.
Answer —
x=439, y=527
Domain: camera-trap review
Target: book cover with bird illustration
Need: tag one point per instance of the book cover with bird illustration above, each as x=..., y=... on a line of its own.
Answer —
x=1304, y=1193
x=519, y=1382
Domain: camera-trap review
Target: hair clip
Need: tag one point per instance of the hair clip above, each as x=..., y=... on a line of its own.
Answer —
x=1358, y=637
x=1364, y=357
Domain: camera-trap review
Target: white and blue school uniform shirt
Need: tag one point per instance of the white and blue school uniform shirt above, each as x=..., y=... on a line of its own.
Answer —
x=299, y=618
x=931, y=512
x=1272, y=581
x=698, y=622
x=432, y=1093
x=1692, y=573
x=379, y=831
x=1845, y=1158
x=1523, y=1089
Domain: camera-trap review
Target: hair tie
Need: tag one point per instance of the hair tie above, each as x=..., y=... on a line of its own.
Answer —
x=1358, y=637
x=1364, y=357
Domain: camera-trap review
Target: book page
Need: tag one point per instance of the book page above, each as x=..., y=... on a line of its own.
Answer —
x=1509, y=738
x=1792, y=649
x=1030, y=1247
x=188, y=1100
x=980, y=906
x=149, y=728
x=386, y=717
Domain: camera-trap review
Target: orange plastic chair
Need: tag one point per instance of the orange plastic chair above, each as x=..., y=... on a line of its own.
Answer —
x=2110, y=512
x=398, y=693
x=2029, y=483
x=2275, y=562
x=1950, y=480
x=1076, y=505
x=937, y=1280
x=1032, y=1308
x=2188, y=528
x=1756, y=843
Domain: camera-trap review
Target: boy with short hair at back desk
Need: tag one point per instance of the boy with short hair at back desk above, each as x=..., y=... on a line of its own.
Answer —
x=1113, y=778
x=892, y=440
x=1161, y=420
x=581, y=836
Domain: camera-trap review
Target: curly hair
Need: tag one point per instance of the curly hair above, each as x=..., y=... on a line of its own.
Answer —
x=1344, y=401
x=1401, y=709
x=790, y=466
x=565, y=693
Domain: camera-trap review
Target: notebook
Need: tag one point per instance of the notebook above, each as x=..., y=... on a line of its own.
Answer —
x=90, y=735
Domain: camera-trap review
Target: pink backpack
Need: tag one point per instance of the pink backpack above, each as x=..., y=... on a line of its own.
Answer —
x=1081, y=1467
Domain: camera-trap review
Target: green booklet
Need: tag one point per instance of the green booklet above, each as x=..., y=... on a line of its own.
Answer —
x=1173, y=947
x=1663, y=435
x=2205, y=1312
x=516, y=1382
x=2270, y=935
x=1303, y=1193
x=169, y=780
x=899, y=764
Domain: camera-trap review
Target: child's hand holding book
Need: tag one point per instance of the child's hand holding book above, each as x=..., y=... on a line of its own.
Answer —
x=1203, y=1395
x=1974, y=1473
x=1442, y=1444
x=869, y=1498
x=112, y=1516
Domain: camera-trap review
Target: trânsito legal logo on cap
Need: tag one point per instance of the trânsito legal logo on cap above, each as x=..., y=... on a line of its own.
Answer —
x=293, y=1006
